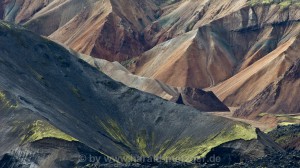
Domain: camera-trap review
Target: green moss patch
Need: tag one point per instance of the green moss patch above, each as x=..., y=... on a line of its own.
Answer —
x=6, y=25
x=41, y=129
x=112, y=128
x=36, y=74
x=283, y=119
x=6, y=102
x=187, y=149
x=141, y=142
x=282, y=3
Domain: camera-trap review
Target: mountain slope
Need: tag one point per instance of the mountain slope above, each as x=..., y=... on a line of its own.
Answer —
x=185, y=16
x=192, y=60
x=216, y=51
x=42, y=82
x=197, y=98
x=119, y=73
x=280, y=97
x=201, y=100
x=107, y=29
x=240, y=88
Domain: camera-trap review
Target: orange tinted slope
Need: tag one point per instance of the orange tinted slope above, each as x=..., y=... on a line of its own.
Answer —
x=196, y=59
x=251, y=81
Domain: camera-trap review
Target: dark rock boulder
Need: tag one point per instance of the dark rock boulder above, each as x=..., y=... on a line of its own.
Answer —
x=201, y=100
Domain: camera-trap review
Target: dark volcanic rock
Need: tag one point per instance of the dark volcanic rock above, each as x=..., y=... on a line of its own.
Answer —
x=289, y=159
x=1, y=9
x=51, y=152
x=287, y=136
x=201, y=100
x=243, y=151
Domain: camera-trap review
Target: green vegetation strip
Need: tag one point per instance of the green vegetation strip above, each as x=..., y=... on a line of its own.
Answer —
x=282, y=3
x=41, y=129
x=7, y=103
x=187, y=149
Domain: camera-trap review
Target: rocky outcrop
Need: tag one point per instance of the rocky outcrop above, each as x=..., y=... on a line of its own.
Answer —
x=51, y=152
x=201, y=100
x=240, y=151
x=287, y=159
x=288, y=137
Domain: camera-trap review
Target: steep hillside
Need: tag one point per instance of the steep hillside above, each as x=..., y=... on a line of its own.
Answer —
x=185, y=16
x=221, y=48
x=47, y=92
x=119, y=73
x=250, y=82
x=107, y=29
x=280, y=97
x=189, y=60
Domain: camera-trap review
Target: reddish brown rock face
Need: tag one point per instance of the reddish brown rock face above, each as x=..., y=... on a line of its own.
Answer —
x=226, y=43
x=195, y=59
x=280, y=97
x=114, y=42
x=250, y=82
x=103, y=29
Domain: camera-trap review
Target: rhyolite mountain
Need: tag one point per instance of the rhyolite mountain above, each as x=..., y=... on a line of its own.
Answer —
x=108, y=29
x=56, y=107
x=277, y=98
x=197, y=98
x=223, y=46
x=212, y=53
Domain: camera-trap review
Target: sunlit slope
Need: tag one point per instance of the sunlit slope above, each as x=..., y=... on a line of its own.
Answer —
x=107, y=29
x=253, y=80
x=280, y=97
